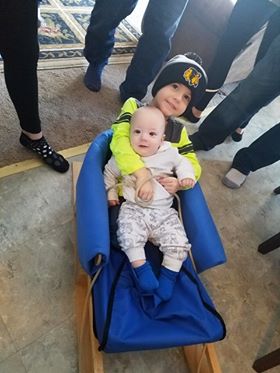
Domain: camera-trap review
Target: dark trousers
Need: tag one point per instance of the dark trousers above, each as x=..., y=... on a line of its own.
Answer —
x=261, y=153
x=257, y=90
x=19, y=50
x=159, y=25
x=247, y=17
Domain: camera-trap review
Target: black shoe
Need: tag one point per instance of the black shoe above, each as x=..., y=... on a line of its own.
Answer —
x=45, y=152
x=236, y=136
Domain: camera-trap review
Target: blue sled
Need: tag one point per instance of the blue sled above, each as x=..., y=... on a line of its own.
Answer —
x=125, y=319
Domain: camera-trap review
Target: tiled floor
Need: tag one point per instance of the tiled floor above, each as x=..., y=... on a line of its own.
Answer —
x=37, y=331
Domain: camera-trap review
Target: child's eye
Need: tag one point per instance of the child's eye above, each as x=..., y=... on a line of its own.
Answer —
x=153, y=133
x=175, y=85
x=187, y=98
x=137, y=132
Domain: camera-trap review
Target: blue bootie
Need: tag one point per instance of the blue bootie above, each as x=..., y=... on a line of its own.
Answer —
x=146, y=278
x=167, y=279
x=92, y=77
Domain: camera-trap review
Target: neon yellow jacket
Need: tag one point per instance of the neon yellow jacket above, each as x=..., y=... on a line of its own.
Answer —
x=127, y=160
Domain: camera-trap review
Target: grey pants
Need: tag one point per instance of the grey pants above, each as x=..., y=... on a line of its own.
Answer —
x=137, y=225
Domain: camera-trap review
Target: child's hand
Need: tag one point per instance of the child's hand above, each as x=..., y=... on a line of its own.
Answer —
x=146, y=191
x=187, y=183
x=171, y=184
x=113, y=202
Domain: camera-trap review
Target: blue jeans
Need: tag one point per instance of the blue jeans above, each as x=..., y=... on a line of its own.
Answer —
x=261, y=153
x=257, y=90
x=159, y=25
x=247, y=17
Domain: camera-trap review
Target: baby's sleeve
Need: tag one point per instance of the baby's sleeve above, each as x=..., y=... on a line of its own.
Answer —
x=111, y=175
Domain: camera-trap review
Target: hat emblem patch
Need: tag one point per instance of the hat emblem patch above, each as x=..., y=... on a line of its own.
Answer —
x=192, y=76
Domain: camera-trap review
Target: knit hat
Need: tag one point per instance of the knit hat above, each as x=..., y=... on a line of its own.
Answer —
x=184, y=70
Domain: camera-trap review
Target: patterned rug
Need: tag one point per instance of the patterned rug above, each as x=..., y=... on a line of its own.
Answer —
x=62, y=34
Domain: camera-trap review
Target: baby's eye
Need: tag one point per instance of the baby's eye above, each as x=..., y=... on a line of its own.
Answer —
x=187, y=98
x=153, y=134
x=137, y=131
x=175, y=85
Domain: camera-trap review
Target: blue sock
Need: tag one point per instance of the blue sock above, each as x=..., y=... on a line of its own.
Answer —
x=167, y=279
x=146, y=277
x=92, y=77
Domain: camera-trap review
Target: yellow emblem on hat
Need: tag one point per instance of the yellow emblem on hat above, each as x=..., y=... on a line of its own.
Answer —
x=192, y=76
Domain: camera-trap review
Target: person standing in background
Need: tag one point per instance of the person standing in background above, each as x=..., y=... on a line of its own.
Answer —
x=159, y=24
x=20, y=52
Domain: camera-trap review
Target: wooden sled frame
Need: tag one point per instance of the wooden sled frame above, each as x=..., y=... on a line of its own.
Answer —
x=200, y=358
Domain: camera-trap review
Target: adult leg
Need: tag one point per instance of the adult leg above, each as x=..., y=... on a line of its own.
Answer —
x=246, y=19
x=100, y=37
x=256, y=91
x=20, y=53
x=159, y=24
x=272, y=30
x=261, y=153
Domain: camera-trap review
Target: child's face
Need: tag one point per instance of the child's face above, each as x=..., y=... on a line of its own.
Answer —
x=147, y=131
x=173, y=99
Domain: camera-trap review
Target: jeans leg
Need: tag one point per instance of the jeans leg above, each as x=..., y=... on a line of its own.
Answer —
x=246, y=19
x=261, y=153
x=159, y=24
x=256, y=91
x=272, y=30
x=20, y=51
x=105, y=18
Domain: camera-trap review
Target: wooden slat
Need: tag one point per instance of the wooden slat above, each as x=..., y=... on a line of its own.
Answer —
x=90, y=359
x=209, y=362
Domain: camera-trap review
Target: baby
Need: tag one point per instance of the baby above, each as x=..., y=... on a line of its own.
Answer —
x=156, y=220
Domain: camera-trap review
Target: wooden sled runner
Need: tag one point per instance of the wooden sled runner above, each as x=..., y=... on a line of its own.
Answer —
x=199, y=357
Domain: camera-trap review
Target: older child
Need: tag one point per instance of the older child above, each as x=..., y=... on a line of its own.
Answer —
x=181, y=82
x=156, y=220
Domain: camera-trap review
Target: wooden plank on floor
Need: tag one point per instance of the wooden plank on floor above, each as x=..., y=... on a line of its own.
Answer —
x=34, y=163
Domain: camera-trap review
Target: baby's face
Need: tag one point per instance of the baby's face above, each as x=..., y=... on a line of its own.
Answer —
x=147, y=131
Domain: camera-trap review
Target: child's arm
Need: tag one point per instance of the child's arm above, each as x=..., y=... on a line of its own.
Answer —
x=111, y=175
x=127, y=160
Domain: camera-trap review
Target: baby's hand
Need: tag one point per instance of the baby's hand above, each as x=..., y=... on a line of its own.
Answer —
x=187, y=183
x=113, y=202
x=170, y=183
